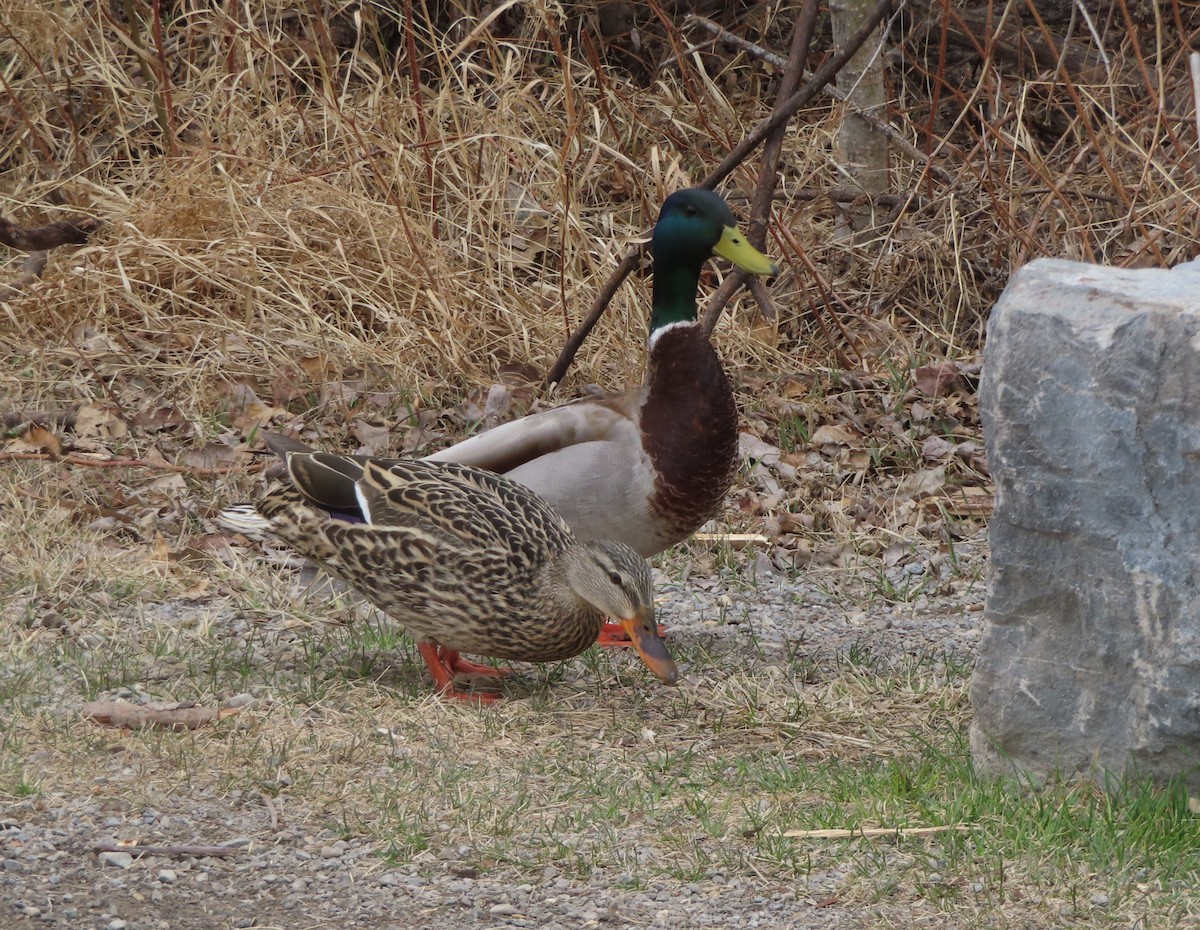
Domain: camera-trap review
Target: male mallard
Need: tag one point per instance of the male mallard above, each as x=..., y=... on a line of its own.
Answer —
x=465, y=559
x=647, y=466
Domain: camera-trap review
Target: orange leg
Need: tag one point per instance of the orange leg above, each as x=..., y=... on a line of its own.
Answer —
x=444, y=664
x=463, y=667
x=613, y=634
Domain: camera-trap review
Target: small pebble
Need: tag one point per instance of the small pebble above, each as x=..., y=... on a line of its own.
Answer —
x=166, y=876
x=120, y=860
x=12, y=865
x=502, y=910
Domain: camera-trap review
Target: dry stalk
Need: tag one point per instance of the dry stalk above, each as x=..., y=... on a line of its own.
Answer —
x=768, y=173
x=779, y=117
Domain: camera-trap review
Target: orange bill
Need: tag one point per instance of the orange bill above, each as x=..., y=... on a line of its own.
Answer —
x=649, y=645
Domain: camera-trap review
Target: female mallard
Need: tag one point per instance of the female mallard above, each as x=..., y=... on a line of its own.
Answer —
x=465, y=559
x=648, y=466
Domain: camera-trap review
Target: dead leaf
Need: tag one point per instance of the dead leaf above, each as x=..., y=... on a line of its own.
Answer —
x=499, y=399
x=834, y=434
x=198, y=590
x=160, y=555
x=468, y=409
x=519, y=375
x=211, y=455
x=766, y=331
x=163, y=418
x=317, y=367
x=129, y=716
x=939, y=380
x=169, y=485
x=340, y=393
x=286, y=386
x=784, y=522
x=252, y=410
x=36, y=439
x=935, y=447
x=922, y=483
x=420, y=435
x=751, y=447
x=375, y=438
x=96, y=422
x=524, y=207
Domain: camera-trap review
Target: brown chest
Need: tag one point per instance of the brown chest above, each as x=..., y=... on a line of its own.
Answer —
x=689, y=428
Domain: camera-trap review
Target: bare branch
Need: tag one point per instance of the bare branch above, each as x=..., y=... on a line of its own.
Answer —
x=50, y=236
x=768, y=173
x=173, y=852
x=782, y=113
x=38, y=240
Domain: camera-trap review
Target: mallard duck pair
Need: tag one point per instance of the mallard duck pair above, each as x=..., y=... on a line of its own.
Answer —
x=524, y=566
x=651, y=465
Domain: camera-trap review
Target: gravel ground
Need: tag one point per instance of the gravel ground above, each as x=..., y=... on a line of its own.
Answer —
x=282, y=874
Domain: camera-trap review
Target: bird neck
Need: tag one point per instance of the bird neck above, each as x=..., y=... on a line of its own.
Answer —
x=554, y=581
x=675, y=285
x=579, y=622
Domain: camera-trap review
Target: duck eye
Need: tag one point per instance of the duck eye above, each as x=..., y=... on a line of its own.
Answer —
x=690, y=209
x=615, y=578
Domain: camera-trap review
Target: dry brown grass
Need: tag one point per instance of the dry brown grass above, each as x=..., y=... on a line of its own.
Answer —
x=286, y=220
x=283, y=211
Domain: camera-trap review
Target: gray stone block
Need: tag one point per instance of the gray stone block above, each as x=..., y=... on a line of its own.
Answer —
x=1090, y=657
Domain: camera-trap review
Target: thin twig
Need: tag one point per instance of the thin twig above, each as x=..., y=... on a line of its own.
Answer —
x=1194, y=63
x=780, y=116
x=38, y=241
x=882, y=126
x=173, y=852
x=64, y=418
x=51, y=236
x=768, y=173
x=75, y=459
x=897, y=832
x=631, y=260
x=782, y=113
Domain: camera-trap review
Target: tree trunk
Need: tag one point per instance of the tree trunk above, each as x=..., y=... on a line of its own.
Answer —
x=862, y=152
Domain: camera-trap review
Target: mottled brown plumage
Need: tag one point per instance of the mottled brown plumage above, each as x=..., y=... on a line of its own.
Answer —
x=465, y=559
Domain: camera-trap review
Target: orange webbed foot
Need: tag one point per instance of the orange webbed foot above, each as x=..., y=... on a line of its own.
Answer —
x=463, y=667
x=445, y=665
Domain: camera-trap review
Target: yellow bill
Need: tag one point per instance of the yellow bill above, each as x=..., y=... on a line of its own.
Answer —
x=735, y=247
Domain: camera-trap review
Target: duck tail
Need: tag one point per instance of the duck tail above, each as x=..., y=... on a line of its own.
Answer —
x=245, y=518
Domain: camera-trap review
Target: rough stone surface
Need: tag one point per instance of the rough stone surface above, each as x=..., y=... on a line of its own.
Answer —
x=1090, y=657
